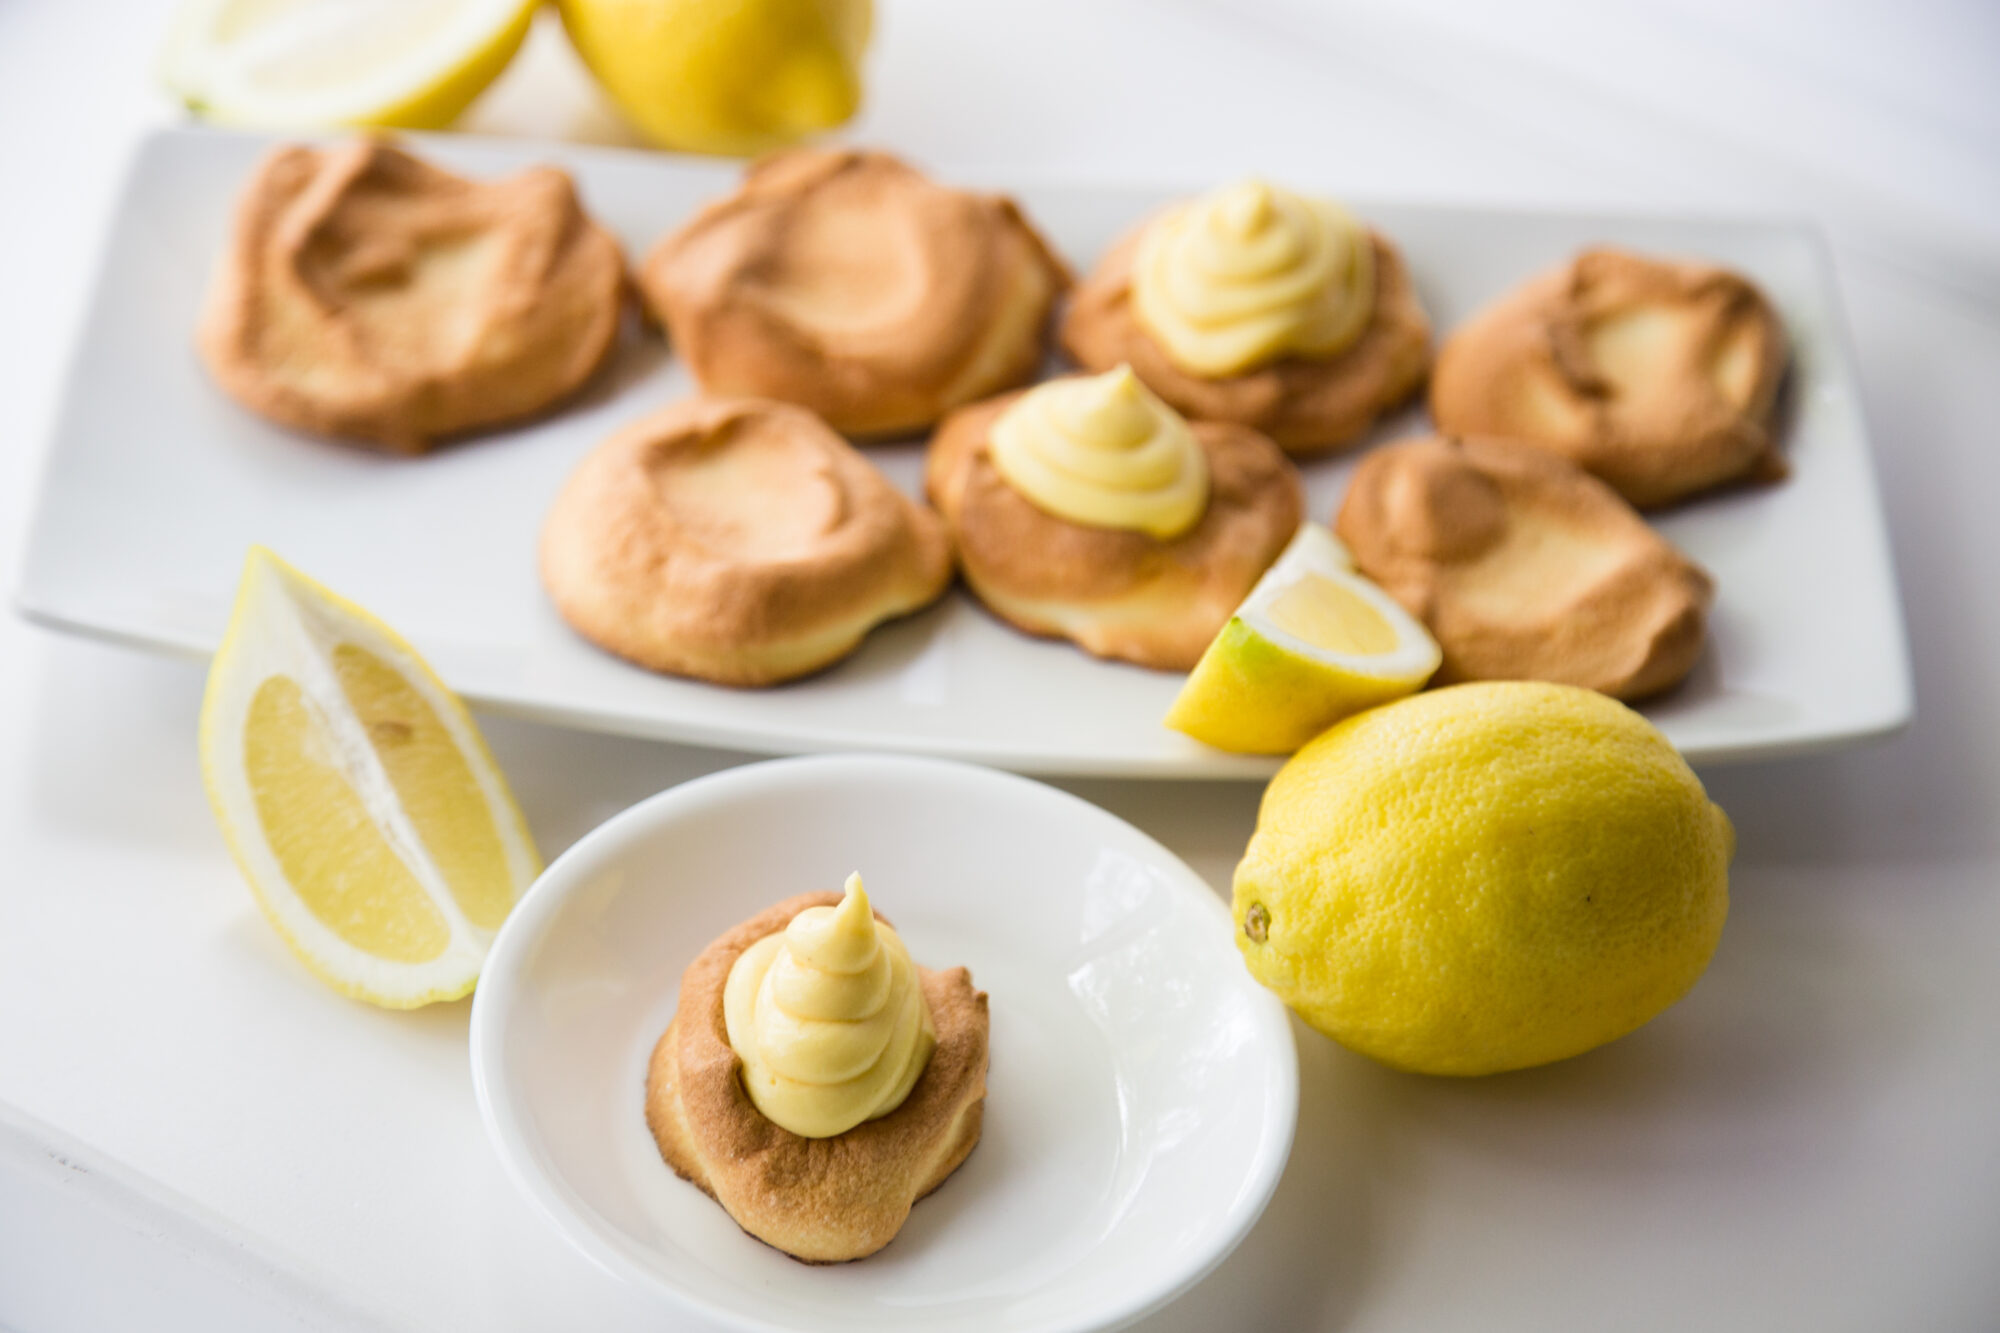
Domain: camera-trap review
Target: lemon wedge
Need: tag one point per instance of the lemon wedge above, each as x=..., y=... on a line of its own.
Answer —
x=1313, y=642
x=356, y=794
x=301, y=64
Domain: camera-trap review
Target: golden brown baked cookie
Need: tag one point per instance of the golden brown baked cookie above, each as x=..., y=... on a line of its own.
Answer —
x=1658, y=377
x=821, y=1200
x=374, y=297
x=736, y=540
x=1117, y=593
x=1525, y=567
x=850, y=283
x=1308, y=405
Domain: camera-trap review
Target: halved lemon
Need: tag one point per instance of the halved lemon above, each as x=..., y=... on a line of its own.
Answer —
x=1313, y=642
x=356, y=794
x=302, y=64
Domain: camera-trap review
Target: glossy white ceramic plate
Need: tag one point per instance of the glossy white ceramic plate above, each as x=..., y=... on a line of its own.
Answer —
x=156, y=483
x=1142, y=1091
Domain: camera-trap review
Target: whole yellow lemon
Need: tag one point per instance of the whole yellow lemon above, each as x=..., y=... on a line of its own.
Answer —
x=1485, y=877
x=725, y=76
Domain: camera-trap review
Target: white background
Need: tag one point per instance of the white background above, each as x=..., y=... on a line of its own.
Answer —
x=1807, y=1141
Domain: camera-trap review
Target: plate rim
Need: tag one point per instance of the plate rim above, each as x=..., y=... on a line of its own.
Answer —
x=526, y=926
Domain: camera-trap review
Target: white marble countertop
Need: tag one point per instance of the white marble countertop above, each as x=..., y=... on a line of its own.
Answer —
x=193, y=1133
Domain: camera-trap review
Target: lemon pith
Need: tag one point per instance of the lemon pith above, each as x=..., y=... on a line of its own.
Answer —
x=1485, y=877
x=356, y=795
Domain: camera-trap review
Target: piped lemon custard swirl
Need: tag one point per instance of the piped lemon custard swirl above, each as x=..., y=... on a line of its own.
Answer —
x=829, y=1019
x=1250, y=273
x=1103, y=451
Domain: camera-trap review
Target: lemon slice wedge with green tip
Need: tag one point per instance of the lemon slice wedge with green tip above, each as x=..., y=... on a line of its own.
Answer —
x=356, y=794
x=1313, y=642
x=306, y=64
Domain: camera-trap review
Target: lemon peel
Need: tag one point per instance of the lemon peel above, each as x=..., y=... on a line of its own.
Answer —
x=1485, y=877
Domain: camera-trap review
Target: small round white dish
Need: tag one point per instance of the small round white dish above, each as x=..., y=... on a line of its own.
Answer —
x=1142, y=1091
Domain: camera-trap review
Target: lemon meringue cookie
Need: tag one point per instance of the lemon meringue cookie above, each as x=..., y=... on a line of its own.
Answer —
x=1525, y=567
x=736, y=540
x=1658, y=376
x=1257, y=305
x=831, y=1198
x=1241, y=277
x=1087, y=509
x=851, y=283
x=373, y=297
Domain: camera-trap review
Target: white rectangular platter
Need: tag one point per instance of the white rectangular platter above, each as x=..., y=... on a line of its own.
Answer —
x=155, y=484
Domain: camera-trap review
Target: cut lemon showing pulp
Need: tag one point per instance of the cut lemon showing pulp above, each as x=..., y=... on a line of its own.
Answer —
x=356, y=794
x=1313, y=642
x=298, y=64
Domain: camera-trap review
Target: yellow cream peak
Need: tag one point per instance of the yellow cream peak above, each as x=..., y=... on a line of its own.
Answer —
x=842, y=939
x=1105, y=452
x=829, y=1019
x=1250, y=273
x=1110, y=411
x=1248, y=208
